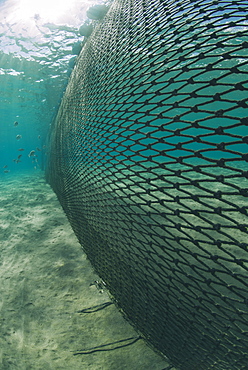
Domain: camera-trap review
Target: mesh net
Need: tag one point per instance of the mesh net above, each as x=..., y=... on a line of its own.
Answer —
x=149, y=159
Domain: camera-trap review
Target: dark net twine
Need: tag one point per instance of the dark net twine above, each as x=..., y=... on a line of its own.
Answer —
x=149, y=161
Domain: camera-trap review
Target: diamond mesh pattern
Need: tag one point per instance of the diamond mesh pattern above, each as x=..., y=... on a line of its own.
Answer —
x=149, y=160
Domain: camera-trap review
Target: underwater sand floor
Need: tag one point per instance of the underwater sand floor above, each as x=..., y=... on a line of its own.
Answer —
x=53, y=313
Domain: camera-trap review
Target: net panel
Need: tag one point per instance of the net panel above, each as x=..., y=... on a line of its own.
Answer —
x=149, y=160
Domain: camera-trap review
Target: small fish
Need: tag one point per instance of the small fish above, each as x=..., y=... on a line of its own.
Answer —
x=38, y=136
x=15, y=123
x=6, y=171
x=32, y=153
x=18, y=137
x=14, y=160
x=19, y=156
x=5, y=166
x=21, y=149
x=38, y=149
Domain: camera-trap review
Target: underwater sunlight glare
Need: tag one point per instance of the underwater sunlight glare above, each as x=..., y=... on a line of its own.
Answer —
x=49, y=10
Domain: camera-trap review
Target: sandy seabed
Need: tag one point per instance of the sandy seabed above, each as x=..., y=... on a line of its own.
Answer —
x=53, y=313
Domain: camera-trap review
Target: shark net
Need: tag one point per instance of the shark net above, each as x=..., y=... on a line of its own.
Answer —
x=148, y=157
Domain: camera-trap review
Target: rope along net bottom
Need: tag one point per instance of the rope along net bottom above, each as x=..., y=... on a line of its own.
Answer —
x=148, y=157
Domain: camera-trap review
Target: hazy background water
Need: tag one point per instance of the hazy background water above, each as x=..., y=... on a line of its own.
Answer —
x=38, y=41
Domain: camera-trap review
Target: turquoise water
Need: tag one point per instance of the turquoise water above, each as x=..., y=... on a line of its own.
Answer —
x=37, y=48
x=37, y=51
x=175, y=220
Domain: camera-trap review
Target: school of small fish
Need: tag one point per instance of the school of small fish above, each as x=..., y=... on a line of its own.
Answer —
x=31, y=154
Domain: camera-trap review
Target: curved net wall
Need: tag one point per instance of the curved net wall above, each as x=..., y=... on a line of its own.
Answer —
x=149, y=161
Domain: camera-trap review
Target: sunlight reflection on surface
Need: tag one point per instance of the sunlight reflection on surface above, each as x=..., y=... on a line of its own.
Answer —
x=56, y=11
x=28, y=25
